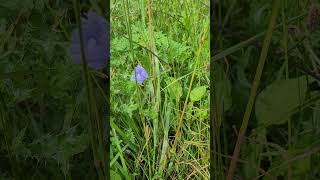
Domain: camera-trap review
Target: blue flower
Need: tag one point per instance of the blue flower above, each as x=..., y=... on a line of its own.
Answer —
x=95, y=33
x=139, y=74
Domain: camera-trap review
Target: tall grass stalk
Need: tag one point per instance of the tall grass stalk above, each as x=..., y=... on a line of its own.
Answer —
x=178, y=133
x=126, y=10
x=156, y=85
x=5, y=131
x=254, y=88
x=218, y=116
x=286, y=62
x=215, y=163
x=96, y=132
x=215, y=117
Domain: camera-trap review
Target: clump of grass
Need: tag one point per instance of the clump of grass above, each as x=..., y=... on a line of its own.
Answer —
x=160, y=128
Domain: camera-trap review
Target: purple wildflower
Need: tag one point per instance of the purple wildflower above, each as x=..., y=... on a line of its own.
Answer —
x=139, y=74
x=95, y=33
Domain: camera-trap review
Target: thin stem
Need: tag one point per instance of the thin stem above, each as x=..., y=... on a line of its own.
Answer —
x=253, y=93
x=285, y=49
x=177, y=135
x=97, y=147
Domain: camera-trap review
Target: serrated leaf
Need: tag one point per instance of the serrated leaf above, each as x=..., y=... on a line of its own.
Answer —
x=120, y=44
x=60, y=148
x=277, y=101
x=197, y=93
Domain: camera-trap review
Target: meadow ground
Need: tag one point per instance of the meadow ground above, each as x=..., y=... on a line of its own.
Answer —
x=160, y=126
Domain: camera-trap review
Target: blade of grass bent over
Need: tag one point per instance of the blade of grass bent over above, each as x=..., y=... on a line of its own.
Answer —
x=253, y=93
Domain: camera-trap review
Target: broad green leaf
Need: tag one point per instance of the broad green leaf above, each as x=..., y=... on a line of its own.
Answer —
x=174, y=88
x=197, y=93
x=275, y=104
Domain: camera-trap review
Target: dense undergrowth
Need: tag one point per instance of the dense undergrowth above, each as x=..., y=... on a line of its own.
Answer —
x=172, y=45
x=44, y=120
x=282, y=136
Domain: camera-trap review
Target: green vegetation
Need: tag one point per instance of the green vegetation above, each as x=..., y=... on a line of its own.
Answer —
x=44, y=103
x=160, y=128
x=274, y=74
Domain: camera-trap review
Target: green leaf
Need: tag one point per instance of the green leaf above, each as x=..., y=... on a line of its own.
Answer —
x=197, y=93
x=19, y=147
x=275, y=104
x=223, y=89
x=40, y=4
x=174, y=88
x=60, y=148
x=120, y=44
x=115, y=175
x=21, y=95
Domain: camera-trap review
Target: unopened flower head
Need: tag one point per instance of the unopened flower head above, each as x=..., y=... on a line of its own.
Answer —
x=139, y=74
x=95, y=33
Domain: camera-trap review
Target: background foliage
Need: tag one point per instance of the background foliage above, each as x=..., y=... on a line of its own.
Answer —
x=282, y=136
x=43, y=114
